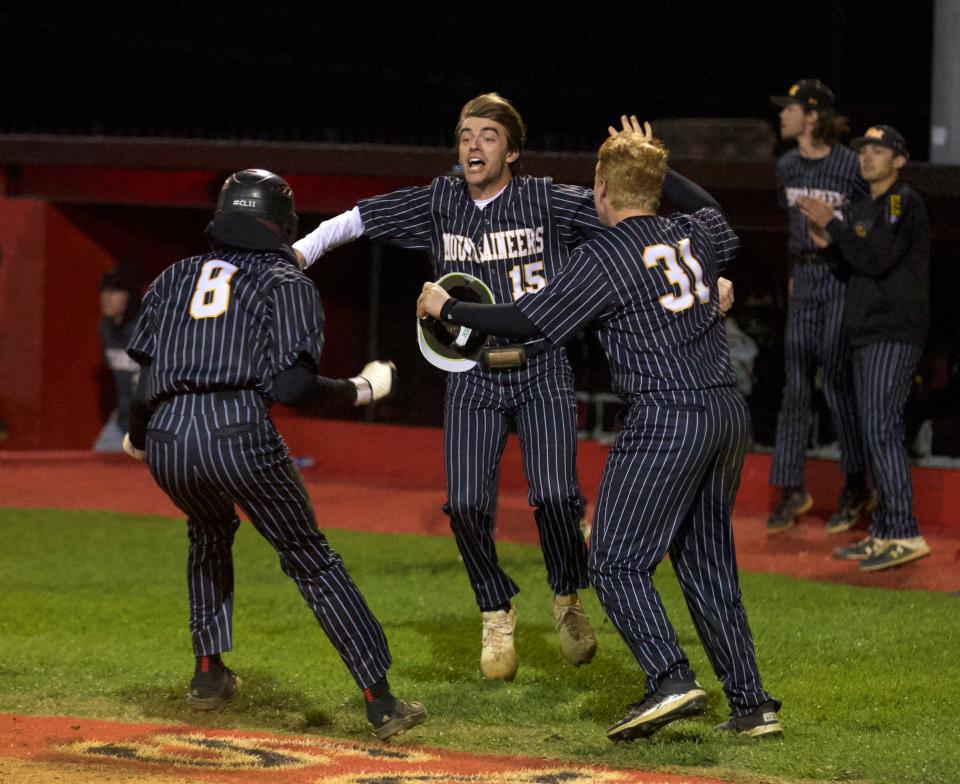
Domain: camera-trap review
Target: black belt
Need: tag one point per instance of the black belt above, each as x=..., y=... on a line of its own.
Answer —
x=219, y=395
x=807, y=258
x=512, y=357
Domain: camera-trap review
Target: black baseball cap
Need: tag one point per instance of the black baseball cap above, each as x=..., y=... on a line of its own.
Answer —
x=809, y=93
x=885, y=136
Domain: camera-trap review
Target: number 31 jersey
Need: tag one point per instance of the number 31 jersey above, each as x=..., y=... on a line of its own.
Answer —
x=229, y=319
x=651, y=283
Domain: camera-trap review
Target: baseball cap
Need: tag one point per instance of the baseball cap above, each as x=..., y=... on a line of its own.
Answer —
x=885, y=136
x=810, y=93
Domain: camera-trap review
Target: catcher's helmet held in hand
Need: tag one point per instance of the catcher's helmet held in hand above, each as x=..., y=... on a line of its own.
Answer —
x=255, y=210
x=451, y=347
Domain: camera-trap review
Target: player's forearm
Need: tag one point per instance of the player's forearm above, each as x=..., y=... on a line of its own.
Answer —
x=300, y=385
x=502, y=320
x=139, y=413
x=686, y=194
x=330, y=234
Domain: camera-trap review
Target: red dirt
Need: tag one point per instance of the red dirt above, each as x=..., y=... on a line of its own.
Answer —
x=85, y=480
x=35, y=750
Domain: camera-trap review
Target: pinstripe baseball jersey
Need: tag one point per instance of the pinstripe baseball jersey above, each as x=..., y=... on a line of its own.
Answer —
x=834, y=178
x=651, y=281
x=211, y=322
x=516, y=244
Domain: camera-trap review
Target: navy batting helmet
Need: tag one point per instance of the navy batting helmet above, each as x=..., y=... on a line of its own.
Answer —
x=448, y=346
x=255, y=210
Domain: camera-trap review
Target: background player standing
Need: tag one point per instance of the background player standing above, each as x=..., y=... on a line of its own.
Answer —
x=221, y=336
x=885, y=250
x=514, y=233
x=818, y=166
x=119, y=305
x=671, y=477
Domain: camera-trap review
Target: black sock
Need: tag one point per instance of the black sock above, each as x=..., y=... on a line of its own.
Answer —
x=379, y=691
x=789, y=491
x=207, y=663
x=380, y=702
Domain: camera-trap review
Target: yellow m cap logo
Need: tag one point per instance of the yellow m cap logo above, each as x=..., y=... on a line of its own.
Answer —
x=793, y=89
x=874, y=133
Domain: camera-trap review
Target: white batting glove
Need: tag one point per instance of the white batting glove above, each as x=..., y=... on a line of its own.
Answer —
x=130, y=449
x=375, y=382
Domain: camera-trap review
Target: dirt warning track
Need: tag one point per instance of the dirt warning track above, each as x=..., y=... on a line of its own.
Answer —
x=35, y=749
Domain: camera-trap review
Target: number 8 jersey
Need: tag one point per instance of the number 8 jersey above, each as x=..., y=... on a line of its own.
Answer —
x=515, y=244
x=229, y=319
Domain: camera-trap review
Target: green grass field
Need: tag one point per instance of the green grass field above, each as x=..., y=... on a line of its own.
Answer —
x=93, y=622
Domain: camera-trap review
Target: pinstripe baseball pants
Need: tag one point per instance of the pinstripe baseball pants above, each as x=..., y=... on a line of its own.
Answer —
x=478, y=410
x=668, y=486
x=882, y=373
x=814, y=338
x=211, y=451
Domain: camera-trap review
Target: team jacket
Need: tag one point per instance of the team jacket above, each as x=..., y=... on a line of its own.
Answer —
x=885, y=247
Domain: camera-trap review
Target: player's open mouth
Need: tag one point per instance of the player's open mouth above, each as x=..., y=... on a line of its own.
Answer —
x=475, y=164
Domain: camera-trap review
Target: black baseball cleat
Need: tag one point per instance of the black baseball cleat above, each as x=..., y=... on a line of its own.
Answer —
x=676, y=698
x=400, y=718
x=850, y=506
x=762, y=720
x=213, y=685
x=793, y=503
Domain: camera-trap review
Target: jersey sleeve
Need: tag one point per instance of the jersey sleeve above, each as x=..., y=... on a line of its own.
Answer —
x=725, y=241
x=401, y=218
x=143, y=340
x=330, y=234
x=581, y=291
x=298, y=323
x=574, y=214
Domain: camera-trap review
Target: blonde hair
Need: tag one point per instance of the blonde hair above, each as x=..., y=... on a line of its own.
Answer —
x=492, y=106
x=633, y=168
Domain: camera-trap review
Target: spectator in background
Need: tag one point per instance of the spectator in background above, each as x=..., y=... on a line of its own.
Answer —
x=821, y=167
x=884, y=250
x=119, y=305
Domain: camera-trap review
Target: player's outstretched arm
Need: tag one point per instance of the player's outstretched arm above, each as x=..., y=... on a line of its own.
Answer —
x=330, y=234
x=300, y=385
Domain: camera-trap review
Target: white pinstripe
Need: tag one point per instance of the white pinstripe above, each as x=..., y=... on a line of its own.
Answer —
x=814, y=337
x=882, y=375
x=670, y=479
x=481, y=404
x=209, y=452
x=815, y=309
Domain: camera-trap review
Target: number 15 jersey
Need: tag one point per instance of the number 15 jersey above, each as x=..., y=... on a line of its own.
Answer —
x=515, y=244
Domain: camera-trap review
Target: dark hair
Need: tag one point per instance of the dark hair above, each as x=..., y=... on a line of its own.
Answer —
x=831, y=127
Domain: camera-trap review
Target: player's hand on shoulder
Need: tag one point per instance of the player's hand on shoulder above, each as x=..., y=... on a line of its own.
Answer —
x=632, y=125
x=130, y=449
x=301, y=260
x=376, y=381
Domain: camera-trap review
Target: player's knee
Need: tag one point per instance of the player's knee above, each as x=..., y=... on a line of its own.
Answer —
x=464, y=509
x=557, y=501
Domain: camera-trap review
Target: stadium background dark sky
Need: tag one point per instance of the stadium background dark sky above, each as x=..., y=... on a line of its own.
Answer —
x=398, y=74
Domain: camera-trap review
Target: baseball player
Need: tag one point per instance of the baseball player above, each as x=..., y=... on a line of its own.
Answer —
x=221, y=336
x=884, y=248
x=818, y=166
x=670, y=479
x=514, y=233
